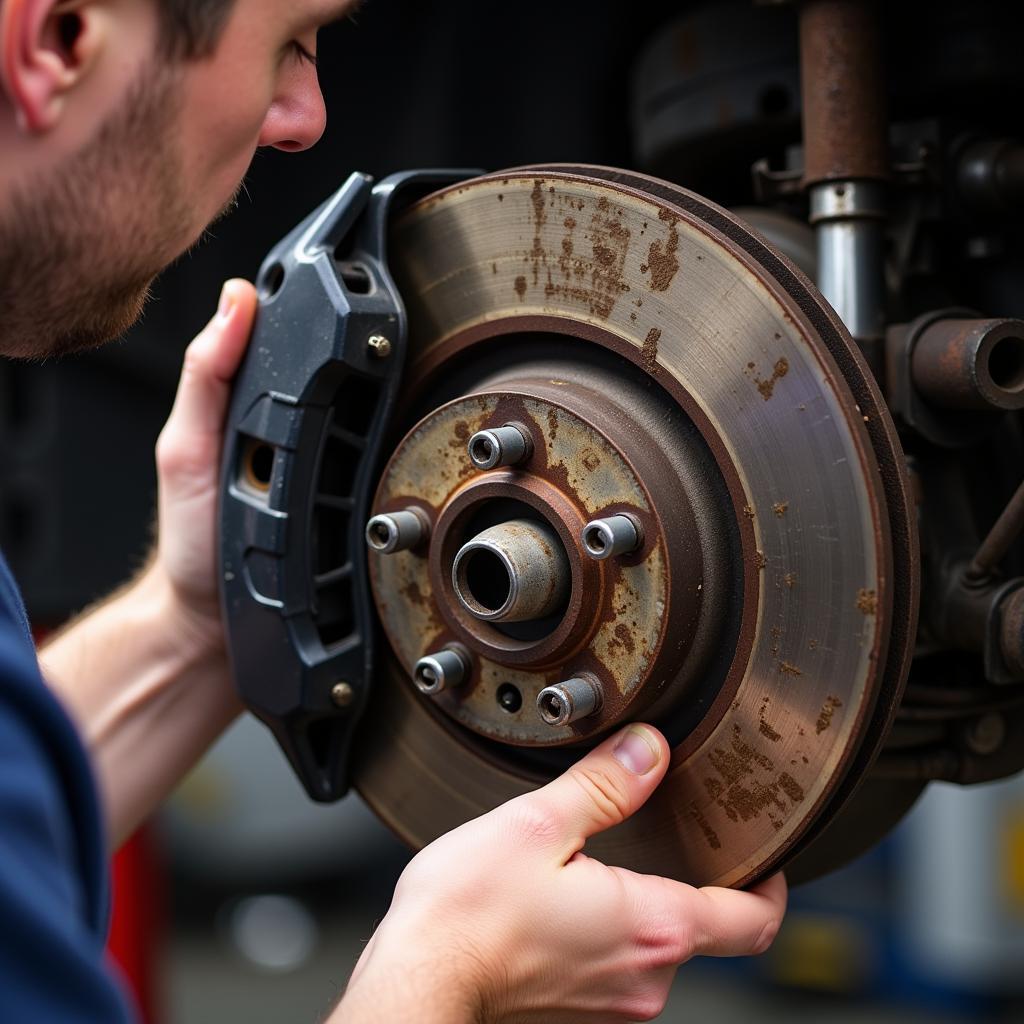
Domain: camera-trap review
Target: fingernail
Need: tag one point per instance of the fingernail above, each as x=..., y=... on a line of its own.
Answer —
x=227, y=302
x=636, y=750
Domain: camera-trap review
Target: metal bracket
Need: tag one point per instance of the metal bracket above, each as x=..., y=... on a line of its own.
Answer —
x=310, y=409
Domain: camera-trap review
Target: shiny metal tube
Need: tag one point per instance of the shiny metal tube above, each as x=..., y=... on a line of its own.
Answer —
x=512, y=572
x=848, y=218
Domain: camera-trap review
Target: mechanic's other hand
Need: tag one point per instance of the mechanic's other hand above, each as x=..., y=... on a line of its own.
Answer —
x=505, y=920
x=188, y=462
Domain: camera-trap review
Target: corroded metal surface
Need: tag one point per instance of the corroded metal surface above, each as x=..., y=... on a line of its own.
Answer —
x=616, y=619
x=842, y=90
x=708, y=323
x=970, y=364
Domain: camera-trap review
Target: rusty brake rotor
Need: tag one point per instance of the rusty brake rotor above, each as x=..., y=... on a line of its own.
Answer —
x=654, y=367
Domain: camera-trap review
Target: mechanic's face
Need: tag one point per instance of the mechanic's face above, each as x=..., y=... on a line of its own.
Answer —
x=127, y=173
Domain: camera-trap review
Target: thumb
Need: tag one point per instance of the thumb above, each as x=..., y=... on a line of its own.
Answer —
x=603, y=789
x=211, y=361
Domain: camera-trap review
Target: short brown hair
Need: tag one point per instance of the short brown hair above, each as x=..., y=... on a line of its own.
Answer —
x=191, y=28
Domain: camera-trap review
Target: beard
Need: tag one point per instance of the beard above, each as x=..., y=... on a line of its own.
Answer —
x=81, y=245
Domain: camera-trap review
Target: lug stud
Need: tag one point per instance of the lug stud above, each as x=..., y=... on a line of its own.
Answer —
x=568, y=702
x=397, y=531
x=443, y=670
x=500, y=446
x=608, y=538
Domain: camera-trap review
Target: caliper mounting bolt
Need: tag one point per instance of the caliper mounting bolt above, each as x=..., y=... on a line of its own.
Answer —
x=570, y=701
x=379, y=346
x=342, y=694
x=397, y=531
x=499, y=446
x=443, y=670
x=608, y=538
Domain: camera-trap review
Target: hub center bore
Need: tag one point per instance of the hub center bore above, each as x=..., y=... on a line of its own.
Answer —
x=516, y=571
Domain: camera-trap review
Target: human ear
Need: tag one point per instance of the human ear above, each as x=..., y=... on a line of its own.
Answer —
x=47, y=48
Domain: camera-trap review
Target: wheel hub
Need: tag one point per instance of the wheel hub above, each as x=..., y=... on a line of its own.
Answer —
x=512, y=573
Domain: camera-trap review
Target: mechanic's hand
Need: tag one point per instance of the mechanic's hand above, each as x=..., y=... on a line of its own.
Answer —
x=505, y=920
x=188, y=463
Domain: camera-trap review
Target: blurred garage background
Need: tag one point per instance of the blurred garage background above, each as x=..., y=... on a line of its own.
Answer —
x=246, y=902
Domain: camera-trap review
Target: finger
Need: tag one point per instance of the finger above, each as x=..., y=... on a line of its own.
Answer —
x=211, y=361
x=604, y=788
x=730, y=922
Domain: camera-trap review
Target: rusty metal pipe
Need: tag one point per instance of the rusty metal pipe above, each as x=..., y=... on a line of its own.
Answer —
x=513, y=572
x=843, y=92
x=971, y=364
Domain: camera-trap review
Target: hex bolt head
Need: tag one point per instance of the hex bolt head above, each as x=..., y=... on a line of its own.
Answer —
x=397, y=531
x=611, y=537
x=499, y=446
x=443, y=670
x=342, y=694
x=379, y=346
x=568, y=702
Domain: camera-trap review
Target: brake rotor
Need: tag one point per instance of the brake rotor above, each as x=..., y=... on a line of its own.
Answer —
x=664, y=364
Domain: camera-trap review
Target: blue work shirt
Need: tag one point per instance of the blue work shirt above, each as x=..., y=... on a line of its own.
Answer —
x=54, y=896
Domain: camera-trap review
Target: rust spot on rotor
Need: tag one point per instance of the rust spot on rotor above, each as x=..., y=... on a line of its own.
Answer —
x=779, y=508
x=649, y=353
x=791, y=788
x=740, y=760
x=763, y=727
x=767, y=387
x=520, y=287
x=785, y=668
x=742, y=798
x=828, y=709
x=662, y=263
x=867, y=601
x=598, y=282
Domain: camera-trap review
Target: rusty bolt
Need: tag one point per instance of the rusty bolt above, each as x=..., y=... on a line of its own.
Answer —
x=342, y=694
x=379, y=346
x=570, y=701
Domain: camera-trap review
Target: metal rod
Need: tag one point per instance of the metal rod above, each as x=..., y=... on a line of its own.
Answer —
x=999, y=540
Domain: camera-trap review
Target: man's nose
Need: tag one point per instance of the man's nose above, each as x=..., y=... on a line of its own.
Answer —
x=297, y=117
